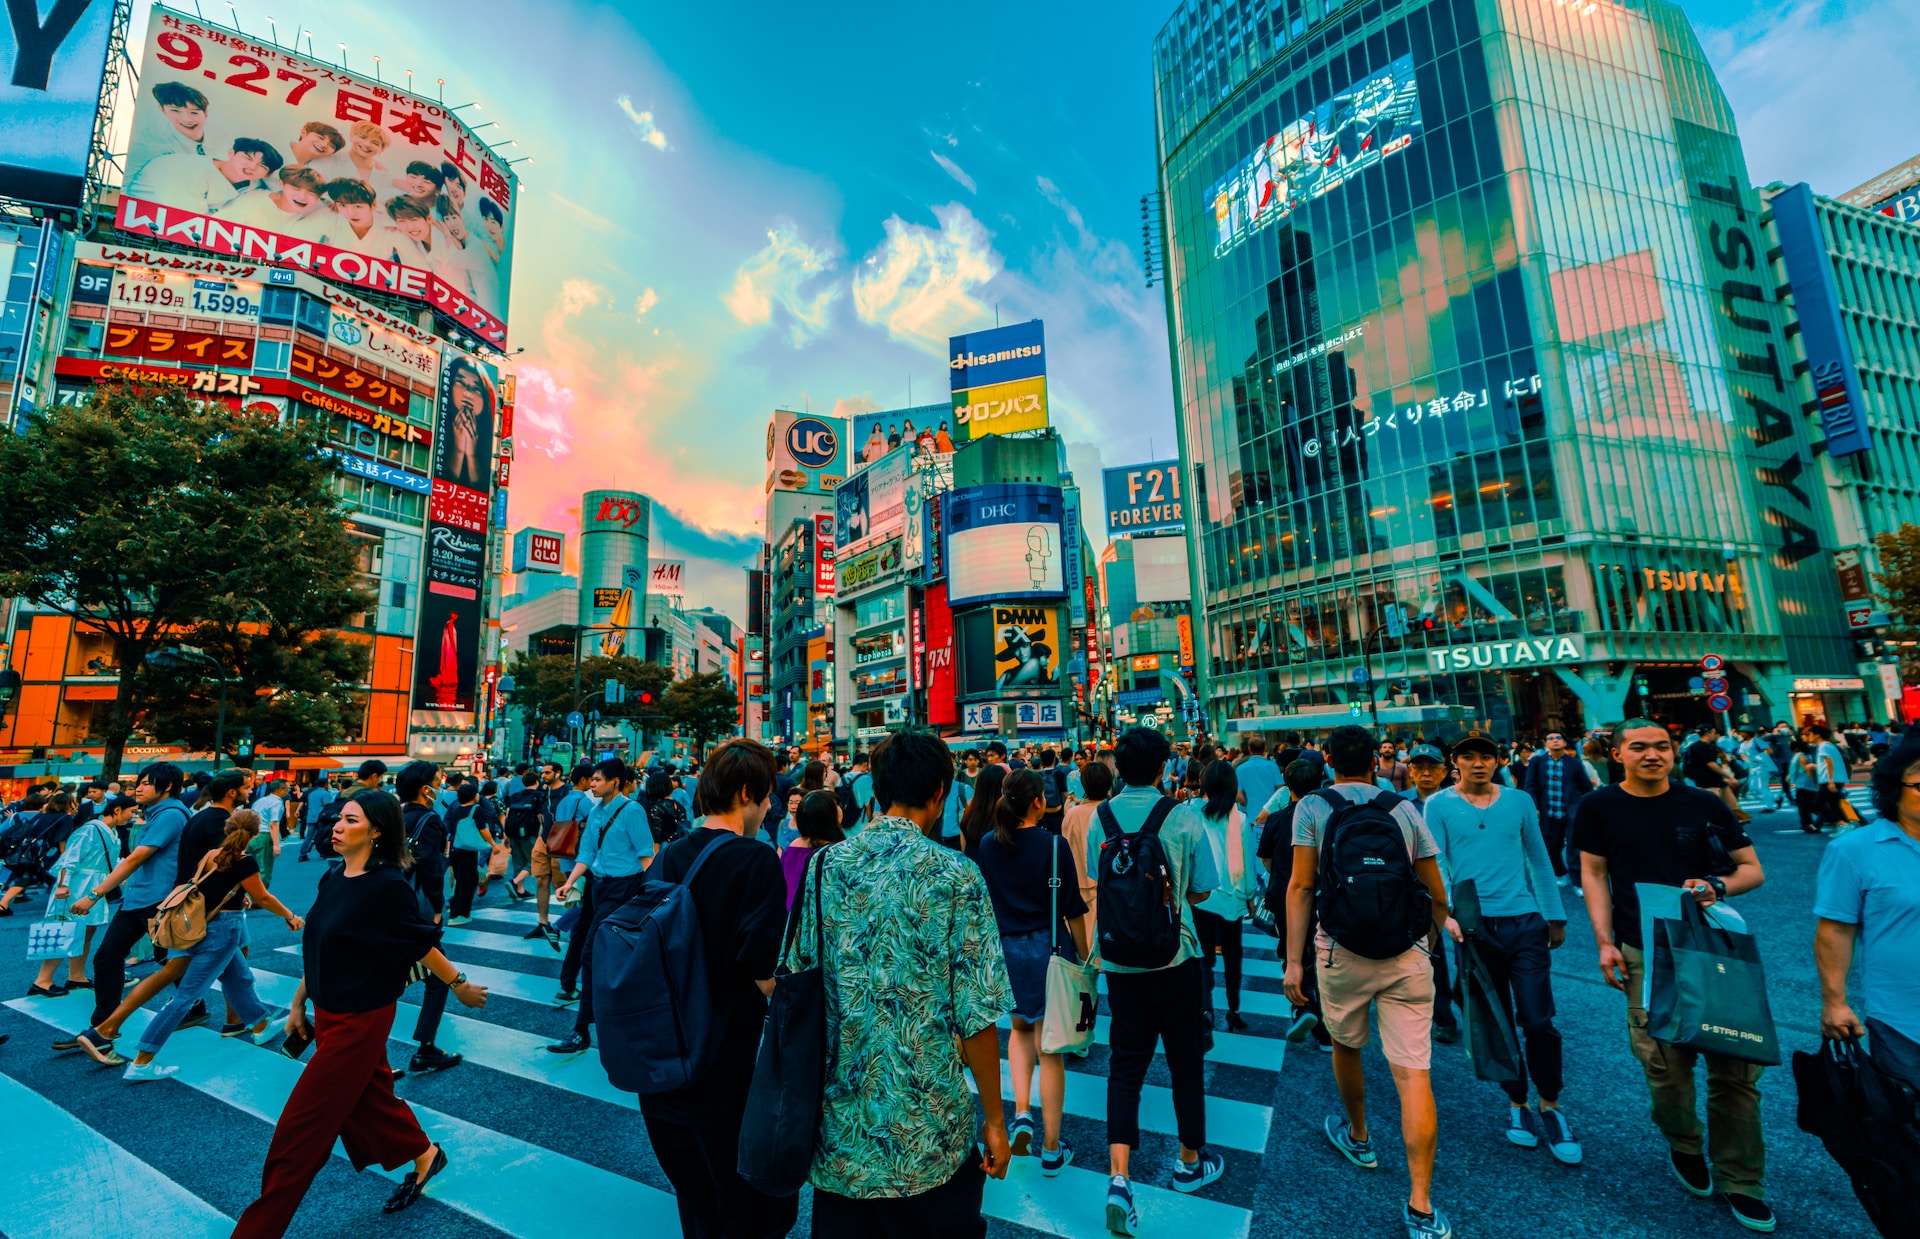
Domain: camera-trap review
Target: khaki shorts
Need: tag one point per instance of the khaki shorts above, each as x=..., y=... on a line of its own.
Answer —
x=545, y=865
x=1400, y=988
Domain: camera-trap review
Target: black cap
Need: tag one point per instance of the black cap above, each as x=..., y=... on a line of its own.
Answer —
x=1474, y=742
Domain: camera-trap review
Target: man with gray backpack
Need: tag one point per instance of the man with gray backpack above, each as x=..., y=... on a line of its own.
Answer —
x=1151, y=865
x=681, y=972
x=1364, y=860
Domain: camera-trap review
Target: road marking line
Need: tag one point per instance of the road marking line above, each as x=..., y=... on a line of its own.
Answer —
x=506, y=944
x=524, y=986
x=1233, y=1049
x=1075, y=1205
x=1232, y=1124
x=64, y=1179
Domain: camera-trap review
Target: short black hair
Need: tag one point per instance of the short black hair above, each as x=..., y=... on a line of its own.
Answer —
x=421, y=168
x=164, y=777
x=612, y=768
x=530, y=779
x=225, y=784
x=467, y=793
x=1302, y=777
x=372, y=768
x=1140, y=754
x=414, y=776
x=1888, y=780
x=1350, y=750
x=994, y=746
x=911, y=767
x=1096, y=780
x=178, y=95
x=582, y=772
x=270, y=157
x=113, y=804
x=740, y=766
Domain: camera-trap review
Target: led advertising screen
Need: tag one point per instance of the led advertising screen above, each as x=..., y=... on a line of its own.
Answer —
x=1317, y=153
x=998, y=380
x=1003, y=541
x=928, y=427
x=1026, y=647
x=1143, y=498
x=49, y=94
x=261, y=153
x=873, y=502
x=447, y=652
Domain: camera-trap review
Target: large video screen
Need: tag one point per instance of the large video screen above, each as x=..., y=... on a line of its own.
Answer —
x=1317, y=153
x=260, y=153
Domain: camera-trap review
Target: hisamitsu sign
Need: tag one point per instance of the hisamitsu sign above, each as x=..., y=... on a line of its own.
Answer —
x=1143, y=498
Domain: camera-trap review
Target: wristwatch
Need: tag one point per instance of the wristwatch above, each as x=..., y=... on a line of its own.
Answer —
x=1719, y=886
x=459, y=979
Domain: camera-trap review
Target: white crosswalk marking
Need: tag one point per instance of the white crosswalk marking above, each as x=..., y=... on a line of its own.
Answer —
x=64, y=1179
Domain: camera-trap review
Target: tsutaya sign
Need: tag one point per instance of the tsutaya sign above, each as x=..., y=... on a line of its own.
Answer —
x=1497, y=655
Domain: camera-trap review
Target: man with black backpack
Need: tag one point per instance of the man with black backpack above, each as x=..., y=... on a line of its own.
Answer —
x=727, y=926
x=1053, y=789
x=1150, y=868
x=615, y=848
x=427, y=839
x=525, y=822
x=1363, y=860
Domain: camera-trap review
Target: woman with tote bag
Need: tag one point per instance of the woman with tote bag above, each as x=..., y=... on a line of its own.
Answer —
x=1234, y=844
x=1022, y=866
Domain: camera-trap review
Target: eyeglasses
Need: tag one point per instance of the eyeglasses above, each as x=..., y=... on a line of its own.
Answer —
x=1914, y=786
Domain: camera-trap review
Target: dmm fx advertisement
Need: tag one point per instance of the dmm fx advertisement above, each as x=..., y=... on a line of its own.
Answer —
x=999, y=381
x=1004, y=541
x=256, y=151
x=1026, y=646
x=1142, y=498
x=50, y=69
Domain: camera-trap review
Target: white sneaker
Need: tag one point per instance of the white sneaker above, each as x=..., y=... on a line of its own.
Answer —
x=140, y=1073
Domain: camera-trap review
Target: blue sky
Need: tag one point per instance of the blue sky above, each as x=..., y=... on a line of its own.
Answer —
x=735, y=207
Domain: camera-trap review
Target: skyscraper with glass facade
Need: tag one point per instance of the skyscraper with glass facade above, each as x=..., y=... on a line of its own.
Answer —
x=1474, y=333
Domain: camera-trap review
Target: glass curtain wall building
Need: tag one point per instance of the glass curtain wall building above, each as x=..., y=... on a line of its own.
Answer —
x=1473, y=325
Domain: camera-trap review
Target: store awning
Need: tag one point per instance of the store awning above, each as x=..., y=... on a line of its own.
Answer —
x=90, y=692
x=315, y=763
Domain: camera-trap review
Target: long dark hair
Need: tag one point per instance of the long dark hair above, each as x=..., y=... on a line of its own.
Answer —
x=1017, y=794
x=1221, y=787
x=813, y=776
x=818, y=820
x=978, y=819
x=389, y=828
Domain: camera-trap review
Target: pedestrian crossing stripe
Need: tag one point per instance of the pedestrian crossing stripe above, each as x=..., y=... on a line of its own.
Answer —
x=66, y=1179
x=523, y=986
x=488, y=1170
x=506, y=944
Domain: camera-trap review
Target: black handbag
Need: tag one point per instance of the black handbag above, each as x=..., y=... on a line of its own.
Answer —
x=1492, y=1043
x=1866, y=1121
x=1708, y=990
x=782, y=1121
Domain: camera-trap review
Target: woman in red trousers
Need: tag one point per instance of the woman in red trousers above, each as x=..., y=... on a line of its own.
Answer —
x=366, y=930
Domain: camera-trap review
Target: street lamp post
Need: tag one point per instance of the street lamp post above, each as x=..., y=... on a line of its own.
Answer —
x=174, y=655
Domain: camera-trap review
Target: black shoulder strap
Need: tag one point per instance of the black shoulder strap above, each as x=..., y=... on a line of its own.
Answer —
x=601, y=840
x=1108, y=822
x=1157, y=815
x=709, y=850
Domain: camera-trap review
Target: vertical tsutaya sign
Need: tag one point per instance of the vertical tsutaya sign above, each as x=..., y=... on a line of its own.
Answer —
x=1836, y=381
x=447, y=653
x=258, y=151
x=49, y=96
x=999, y=380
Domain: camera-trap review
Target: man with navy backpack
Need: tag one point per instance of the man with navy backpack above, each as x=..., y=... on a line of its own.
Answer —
x=1364, y=860
x=1151, y=866
x=739, y=906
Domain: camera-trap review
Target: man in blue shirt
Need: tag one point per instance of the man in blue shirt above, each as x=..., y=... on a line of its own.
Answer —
x=1869, y=895
x=144, y=878
x=1557, y=780
x=1259, y=776
x=1490, y=836
x=615, y=847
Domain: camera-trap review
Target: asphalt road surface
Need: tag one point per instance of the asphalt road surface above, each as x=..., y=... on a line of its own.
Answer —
x=549, y=1149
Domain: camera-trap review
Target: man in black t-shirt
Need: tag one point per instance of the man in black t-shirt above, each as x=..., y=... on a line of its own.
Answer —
x=740, y=898
x=1646, y=828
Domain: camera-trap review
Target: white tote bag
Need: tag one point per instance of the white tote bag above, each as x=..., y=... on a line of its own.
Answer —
x=1073, y=990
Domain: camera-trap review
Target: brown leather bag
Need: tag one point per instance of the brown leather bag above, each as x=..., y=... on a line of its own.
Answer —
x=563, y=839
x=180, y=920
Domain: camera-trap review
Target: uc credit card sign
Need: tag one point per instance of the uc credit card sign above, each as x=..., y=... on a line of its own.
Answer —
x=999, y=380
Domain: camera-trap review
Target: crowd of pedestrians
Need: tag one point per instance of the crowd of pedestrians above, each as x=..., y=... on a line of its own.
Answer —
x=941, y=900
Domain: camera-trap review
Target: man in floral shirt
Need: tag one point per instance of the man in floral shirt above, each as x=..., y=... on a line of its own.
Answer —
x=913, y=964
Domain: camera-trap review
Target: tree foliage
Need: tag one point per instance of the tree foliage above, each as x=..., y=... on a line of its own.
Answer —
x=157, y=519
x=1899, y=591
x=543, y=686
x=703, y=706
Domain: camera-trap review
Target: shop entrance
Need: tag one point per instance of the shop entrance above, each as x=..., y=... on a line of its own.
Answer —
x=1539, y=703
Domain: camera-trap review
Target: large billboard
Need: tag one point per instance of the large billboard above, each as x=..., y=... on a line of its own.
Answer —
x=928, y=427
x=1003, y=541
x=49, y=96
x=1026, y=647
x=873, y=502
x=804, y=452
x=1317, y=152
x=539, y=550
x=447, y=653
x=999, y=380
x=261, y=153
x=1143, y=498
x=1836, y=380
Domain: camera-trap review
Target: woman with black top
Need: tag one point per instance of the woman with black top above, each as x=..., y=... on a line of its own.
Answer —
x=364, y=933
x=666, y=817
x=978, y=819
x=1021, y=865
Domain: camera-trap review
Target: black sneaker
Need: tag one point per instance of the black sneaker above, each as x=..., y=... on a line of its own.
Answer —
x=430, y=1057
x=1751, y=1212
x=576, y=1043
x=196, y=1016
x=538, y=931
x=66, y=1045
x=566, y=997
x=1691, y=1170
x=1446, y=1034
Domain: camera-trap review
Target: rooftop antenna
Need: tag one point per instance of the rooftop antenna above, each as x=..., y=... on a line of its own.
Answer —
x=376, y=68
x=197, y=12
x=275, y=31
x=235, y=15
x=343, y=55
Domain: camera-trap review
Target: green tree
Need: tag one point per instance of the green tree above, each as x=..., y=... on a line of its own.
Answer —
x=703, y=706
x=156, y=519
x=543, y=687
x=1899, y=592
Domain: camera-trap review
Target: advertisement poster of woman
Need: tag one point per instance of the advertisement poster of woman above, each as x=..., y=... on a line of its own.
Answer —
x=463, y=440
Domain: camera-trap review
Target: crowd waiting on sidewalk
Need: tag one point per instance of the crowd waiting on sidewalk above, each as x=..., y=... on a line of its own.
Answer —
x=925, y=901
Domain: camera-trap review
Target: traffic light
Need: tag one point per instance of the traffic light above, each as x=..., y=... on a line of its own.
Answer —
x=646, y=698
x=243, y=748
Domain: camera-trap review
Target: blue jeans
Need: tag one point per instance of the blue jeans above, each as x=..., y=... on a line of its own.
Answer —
x=308, y=836
x=214, y=957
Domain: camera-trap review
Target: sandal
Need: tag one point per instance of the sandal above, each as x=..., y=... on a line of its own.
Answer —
x=411, y=1186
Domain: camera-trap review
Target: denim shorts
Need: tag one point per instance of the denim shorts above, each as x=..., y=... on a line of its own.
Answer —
x=1027, y=956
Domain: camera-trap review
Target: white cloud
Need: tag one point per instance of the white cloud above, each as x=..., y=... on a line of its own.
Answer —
x=955, y=171
x=542, y=408
x=576, y=295
x=917, y=282
x=644, y=302
x=643, y=121
x=777, y=276
x=1791, y=70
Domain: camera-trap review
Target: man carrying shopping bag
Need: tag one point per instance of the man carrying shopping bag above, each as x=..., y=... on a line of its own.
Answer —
x=1648, y=829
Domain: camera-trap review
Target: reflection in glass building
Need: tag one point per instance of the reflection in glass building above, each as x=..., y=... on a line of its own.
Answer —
x=1475, y=338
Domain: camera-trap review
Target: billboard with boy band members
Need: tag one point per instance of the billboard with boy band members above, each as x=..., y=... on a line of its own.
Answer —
x=257, y=152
